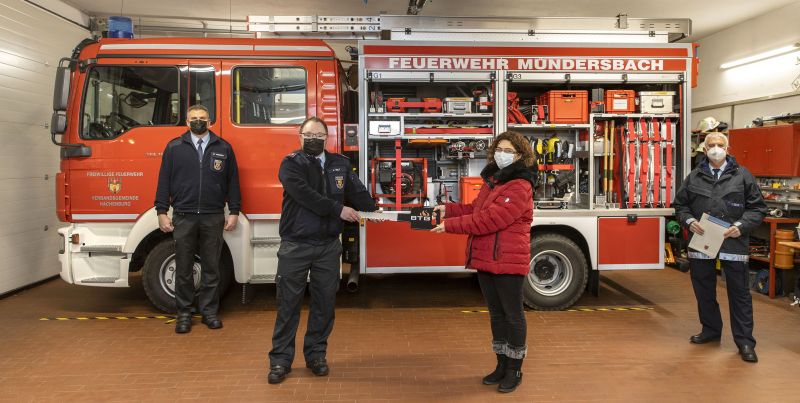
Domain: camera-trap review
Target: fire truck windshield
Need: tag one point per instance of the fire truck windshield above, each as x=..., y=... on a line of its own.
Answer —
x=119, y=98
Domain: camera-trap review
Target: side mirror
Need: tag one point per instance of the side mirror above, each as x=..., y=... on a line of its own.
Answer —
x=61, y=90
x=58, y=122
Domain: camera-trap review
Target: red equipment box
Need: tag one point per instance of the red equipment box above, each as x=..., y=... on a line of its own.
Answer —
x=620, y=101
x=426, y=105
x=469, y=187
x=569, y=107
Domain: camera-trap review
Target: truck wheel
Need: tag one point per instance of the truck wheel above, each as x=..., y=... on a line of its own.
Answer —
x=158, y=276
x=558, y=273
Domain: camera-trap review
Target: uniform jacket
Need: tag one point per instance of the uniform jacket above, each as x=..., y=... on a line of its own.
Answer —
x=313, y=199
x=734, y=198
x=192, y=186
x=498, y=221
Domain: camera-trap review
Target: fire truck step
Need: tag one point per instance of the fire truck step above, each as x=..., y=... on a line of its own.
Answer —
x=262, y=279
x=266, y=241
x=102, y=248
x=95, y=280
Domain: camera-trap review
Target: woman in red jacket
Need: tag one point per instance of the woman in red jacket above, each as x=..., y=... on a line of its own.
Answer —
x=498, y=223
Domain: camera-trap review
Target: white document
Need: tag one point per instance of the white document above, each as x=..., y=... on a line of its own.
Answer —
x=711, y=240
x=378, y=215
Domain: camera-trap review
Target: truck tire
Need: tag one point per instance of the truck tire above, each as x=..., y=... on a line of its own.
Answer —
x=558, y=273
x=158, y=275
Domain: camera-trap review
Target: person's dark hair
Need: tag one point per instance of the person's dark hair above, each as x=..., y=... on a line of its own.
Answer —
x=313, y=119
x=198, y=107
x=520, y=143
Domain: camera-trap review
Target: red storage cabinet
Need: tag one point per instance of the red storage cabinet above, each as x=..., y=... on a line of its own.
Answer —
x=624, y=244
x=768, y=150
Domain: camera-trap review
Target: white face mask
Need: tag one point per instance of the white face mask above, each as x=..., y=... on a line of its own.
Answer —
x=503, y=159
x=716, y=154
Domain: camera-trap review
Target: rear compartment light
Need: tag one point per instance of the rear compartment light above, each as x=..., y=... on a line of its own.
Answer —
x=76, y=239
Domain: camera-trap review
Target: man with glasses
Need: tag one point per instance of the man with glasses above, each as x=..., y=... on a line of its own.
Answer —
x=198, y=175
x=316, y=184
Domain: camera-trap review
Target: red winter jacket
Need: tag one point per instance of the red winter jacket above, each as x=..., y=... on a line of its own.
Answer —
x=498, y=222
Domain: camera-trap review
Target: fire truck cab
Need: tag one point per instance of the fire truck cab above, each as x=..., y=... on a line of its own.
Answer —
x=416, y=131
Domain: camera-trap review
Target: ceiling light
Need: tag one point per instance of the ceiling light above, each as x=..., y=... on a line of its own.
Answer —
x=761, y=56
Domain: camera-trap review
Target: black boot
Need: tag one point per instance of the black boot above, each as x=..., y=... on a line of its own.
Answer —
x=512, y=377
x=495, y=377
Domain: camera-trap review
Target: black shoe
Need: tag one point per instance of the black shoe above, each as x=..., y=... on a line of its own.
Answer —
x=748, y=354
x=512, y=377
x=212, y=322
x=319, y=367
x=703, y=338
x=495, y=377
x=510, y=381
x=277, y=373
x=183, y=323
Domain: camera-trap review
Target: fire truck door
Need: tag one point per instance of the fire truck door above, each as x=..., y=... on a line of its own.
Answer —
x=264, y=103
x=129, y=110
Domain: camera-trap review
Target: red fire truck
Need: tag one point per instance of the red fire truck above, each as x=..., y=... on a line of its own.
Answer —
x=608, y=122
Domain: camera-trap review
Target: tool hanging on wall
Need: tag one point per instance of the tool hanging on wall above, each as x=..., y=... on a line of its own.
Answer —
x=644, y=165
x=567, y=152
x=444, y=194
x=630, y=157
x=611, y=165
x=656, y=162
x=536, y=146
x=553, y=149
x=668, y=179
x=514, y=114
x=605, y=160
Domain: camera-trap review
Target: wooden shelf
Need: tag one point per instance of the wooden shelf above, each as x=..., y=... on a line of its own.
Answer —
x=766, y=260
x=779, y=189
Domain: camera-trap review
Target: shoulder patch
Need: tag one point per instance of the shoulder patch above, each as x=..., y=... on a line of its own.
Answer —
x=339, y=156
x=297, y=157
x=174, y=142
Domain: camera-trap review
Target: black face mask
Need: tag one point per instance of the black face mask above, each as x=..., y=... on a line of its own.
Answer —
x=198, y=126
x=313, y=146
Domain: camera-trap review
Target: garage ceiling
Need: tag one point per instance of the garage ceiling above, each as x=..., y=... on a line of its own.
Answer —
x=707, y=16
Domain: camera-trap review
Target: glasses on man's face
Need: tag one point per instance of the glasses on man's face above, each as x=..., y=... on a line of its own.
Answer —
x=506, y=150
x=196, y=119
x=321, y=136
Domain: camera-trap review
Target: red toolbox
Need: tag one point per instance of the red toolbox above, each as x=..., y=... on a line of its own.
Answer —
x=413, y=105
x=567, y=107
x=620, y=101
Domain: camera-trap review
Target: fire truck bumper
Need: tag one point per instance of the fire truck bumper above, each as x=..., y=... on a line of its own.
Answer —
x=93, y=256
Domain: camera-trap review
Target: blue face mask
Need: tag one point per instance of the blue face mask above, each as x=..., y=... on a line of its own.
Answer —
x=503, y=159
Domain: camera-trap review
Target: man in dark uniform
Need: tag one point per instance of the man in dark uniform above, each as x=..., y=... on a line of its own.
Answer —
x=198, y=174
x=315, y=185
x=725, y=190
